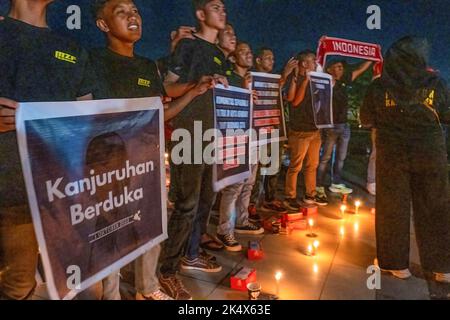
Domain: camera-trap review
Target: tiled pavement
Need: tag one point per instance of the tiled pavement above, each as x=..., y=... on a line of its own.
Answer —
x=338, y=271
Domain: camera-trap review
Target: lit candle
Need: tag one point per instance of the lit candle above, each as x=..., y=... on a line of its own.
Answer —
x=310, y=250
x=357, y=205
x=316, y=246
x=315, y=268
x=343, y=209
x=311, y=234
x=278, y=276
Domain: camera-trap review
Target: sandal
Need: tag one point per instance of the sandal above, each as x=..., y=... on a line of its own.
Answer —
x=211, y=244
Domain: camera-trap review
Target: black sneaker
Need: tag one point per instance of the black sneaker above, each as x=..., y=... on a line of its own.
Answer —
x=291, y=204
x=249, y=228
x=174, y=287
x=274, y=206
x=318, y=200
x=200, y=264
x=230, y=243
x=253, y=215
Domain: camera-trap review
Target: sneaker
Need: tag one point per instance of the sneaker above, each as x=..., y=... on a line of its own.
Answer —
x=321, y=193
x=442, y=277
x=253, y=215
x=400, y=274
x=249, y=228
x=291, y=204
x=340, y=188
x=157, y=295
x=205, y=255
x=200, y=264
x=173, y=287
x=371, y=188
x=274, y=206
x=317, y=200
x=230, y=242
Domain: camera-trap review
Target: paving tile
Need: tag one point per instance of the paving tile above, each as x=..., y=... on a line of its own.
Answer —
x=347, y=283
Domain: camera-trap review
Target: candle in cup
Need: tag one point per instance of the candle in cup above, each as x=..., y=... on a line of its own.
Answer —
x=357, y=205
x=311, y=234
x=315, y=268
x=316, y=246
x=278, y=276
x=310, y=250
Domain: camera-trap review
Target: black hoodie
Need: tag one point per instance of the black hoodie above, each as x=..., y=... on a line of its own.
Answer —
x=408, y=100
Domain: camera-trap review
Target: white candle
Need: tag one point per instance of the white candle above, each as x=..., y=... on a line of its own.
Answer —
x=316, y=246
x=357, y=205
x=278, y=276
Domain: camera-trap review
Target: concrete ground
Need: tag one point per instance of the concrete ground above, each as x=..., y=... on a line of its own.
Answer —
x=338, y=271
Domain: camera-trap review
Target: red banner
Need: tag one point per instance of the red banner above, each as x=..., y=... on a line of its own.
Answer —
x=349, y=48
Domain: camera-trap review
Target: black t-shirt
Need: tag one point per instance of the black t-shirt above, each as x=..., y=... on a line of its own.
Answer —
x=192, y=59
x=301, y=118
x=36, y=65
x=417, y=121
x=124, y=77
x=235, y=80
x=340, y=99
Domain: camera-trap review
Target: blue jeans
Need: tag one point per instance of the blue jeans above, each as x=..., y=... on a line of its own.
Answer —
x=234, y=204
x=338, y=136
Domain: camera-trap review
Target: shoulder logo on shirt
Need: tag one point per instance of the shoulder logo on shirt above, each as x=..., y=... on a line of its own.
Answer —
x=218, y=61
x=144, y=82
x=65, y=57
x=429, y=101
x=389, y=101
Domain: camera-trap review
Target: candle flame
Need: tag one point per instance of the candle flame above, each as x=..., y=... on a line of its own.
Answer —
x=357, y=203
x=278, y=275
x=343, y=208
x=311, y=222
x=316, y=244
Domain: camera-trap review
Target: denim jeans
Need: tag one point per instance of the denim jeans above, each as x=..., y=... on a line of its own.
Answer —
x=268, y=182
x=304, y=146
x=338, y=136
x=146, y=281
x=371, y=169
x=194, y=199
x=234, y=203
x=18, y=254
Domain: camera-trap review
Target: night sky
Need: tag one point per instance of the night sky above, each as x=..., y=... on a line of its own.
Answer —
x=288, y=26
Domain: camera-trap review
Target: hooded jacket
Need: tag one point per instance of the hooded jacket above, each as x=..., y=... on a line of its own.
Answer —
x=408, y=99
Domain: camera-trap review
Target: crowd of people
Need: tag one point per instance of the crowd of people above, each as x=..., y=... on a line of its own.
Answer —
x=406, y=107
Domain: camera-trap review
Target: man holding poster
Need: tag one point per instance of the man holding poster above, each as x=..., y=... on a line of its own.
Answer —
x=123, y=74
x=304, y=136
x=24, y=33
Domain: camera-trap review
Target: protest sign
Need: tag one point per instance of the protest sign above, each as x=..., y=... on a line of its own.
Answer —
x=233, y=115
x=268, y=111
x=95, y=179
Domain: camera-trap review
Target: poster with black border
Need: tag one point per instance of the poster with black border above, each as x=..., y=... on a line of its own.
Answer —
x=321, y=86
x=268, y=110
x=232, y=113
x=95, y=179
